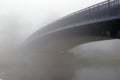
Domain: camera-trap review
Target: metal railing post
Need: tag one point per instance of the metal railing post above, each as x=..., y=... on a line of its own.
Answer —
x=108, y=7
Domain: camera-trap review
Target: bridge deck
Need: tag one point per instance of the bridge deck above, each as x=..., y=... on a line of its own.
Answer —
x=106, y=10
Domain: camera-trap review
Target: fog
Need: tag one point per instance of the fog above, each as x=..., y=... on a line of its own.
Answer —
x=98, y=60
x=20, y=18
x=26, y=16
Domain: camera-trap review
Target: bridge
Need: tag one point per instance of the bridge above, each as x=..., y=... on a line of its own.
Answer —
x=46, y=51
x=105, y=11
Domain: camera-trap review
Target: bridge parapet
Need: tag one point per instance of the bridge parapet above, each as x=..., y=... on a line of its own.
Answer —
x=104, y=11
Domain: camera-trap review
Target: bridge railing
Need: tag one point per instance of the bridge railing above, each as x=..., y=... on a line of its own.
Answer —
x=101, y=10
x=96, y=5
x=104, y=9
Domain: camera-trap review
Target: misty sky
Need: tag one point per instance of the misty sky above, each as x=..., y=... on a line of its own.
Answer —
x=26, y=16
x=20, y=18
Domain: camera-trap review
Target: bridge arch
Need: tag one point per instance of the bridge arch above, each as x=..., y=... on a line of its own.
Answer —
x=46, y=50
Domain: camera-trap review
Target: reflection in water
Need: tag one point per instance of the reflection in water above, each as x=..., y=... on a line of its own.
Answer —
x=98, y=60
x=98, y=73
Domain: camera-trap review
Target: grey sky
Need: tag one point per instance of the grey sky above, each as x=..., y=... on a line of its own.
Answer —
x=20, y=18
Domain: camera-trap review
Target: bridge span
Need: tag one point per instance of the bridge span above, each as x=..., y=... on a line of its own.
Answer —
x=46, y=51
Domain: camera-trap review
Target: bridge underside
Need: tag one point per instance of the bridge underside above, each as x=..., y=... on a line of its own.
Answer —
x=77, y=35
x=48, y=55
